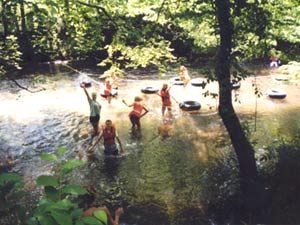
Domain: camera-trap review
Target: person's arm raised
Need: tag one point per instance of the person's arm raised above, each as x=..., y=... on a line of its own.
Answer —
x=85, y=91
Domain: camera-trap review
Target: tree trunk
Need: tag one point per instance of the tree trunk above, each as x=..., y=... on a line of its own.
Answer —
x=24, y=37
x=241, y=145
x=4, y=19
x=23, y=19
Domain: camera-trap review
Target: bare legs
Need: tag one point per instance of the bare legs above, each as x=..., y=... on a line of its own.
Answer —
x=95, y=128
x=163, y=109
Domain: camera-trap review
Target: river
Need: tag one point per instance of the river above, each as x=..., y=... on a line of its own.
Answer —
x=159, y=180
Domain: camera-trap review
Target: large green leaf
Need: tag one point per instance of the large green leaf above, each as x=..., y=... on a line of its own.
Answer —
x=64, y=204
x=62, y=217
x=61, y=151
x=47, y=180
x=79, y=222
x=74, y=189
x=76, y=213
x=91, y=221
x=51, y=193
x=48, y=157
x=32, y=221
x=70, y=165
x=101, y=215
x=46, y=220
x=7, y=177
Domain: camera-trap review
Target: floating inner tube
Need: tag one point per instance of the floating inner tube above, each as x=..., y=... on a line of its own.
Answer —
x=281, y=78
x=199, y=82
x=189, y=105
x=86, y=84
x=176, y=81
x=235, y=84
x=149, y=90
x=114, y=93
x=276, y=93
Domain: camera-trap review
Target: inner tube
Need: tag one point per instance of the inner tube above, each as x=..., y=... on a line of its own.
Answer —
x=199, y=82
x=273, y=93
x=281, y=78
x=86, y=84
x=113, y=93
x=189, y=105
x=235, y=84
x=149, y=90
x=176, y=81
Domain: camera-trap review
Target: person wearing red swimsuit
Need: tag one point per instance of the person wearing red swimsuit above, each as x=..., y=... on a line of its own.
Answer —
x=166, y=98
x=137, y=112
x=108, y=90
x=109, y=134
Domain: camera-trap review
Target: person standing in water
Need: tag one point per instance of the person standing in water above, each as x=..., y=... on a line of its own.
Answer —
x=109, y=134
x=166, y=99
x=184, y=75
x=95, y=108
x=108, y=90
x=137, y=112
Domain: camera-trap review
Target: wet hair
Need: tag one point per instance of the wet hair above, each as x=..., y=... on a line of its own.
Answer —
x=165, y=85
x=108, y=121
x=137, y=99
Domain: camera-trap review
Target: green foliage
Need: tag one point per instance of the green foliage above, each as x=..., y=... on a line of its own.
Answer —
x=10, y=56
x=56, y=207
x=11, y=195
x=141, y=33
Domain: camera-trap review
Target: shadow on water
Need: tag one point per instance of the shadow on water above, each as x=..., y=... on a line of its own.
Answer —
x=161, y=179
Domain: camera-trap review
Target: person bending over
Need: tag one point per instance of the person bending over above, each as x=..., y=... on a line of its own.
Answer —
x=109, y=134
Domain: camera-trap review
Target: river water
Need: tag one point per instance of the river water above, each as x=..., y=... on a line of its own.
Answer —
x=159, y=180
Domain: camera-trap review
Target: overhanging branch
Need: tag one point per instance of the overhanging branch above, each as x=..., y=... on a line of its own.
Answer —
x=101, y=9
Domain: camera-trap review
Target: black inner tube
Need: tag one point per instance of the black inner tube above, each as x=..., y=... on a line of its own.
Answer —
x=189, y=105
x=149, y=90
x=114, y=93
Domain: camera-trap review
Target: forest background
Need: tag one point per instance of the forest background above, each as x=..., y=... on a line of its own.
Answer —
x=134, y=34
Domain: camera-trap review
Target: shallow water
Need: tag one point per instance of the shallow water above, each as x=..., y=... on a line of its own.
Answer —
x=159, y=180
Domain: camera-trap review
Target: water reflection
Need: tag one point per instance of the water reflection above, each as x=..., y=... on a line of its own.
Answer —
x=160, y=179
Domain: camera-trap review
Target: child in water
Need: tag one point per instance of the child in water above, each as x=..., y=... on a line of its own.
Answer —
x=101, y=213
x=165, y=129
x=166, y=99
x=108, y=90
x=184, y=75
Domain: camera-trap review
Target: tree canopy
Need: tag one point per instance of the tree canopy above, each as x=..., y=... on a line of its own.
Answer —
x=119, y=32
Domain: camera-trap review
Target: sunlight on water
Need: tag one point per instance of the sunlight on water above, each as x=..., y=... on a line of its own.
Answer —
x=166, y=172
